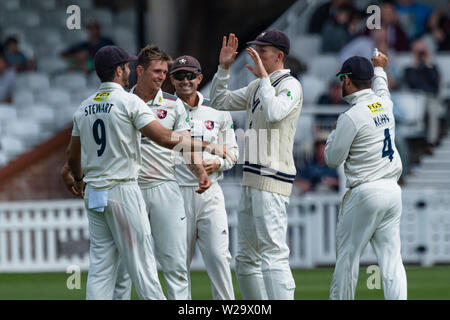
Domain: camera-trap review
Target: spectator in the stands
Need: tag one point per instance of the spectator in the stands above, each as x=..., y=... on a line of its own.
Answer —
x=413, y=17
x=16, y=58
x=324, y=13
x=439, y=27
x=336, y=32
x=81, y=55
x=396, y=36
x=315, y=175
x=296, y=66
x=423, y=75
x=7, y=80
x=333, y=95
x=364, y=45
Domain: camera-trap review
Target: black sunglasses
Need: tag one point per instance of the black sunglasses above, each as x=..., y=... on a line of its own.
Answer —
x=181, y=75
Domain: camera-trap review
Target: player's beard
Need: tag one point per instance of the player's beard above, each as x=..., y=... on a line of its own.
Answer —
x=125, y=79
x=344, y=93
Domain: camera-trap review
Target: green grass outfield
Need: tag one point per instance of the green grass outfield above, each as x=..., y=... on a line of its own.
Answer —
x=423, y=283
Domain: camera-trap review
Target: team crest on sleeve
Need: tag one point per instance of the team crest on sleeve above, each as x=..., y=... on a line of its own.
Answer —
x=161, y=113
x=209, y=124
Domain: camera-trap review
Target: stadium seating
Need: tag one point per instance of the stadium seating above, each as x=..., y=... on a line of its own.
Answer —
x=443, y=62
x=11, y=5
x=411, y=113
x=51, y=65
x=23, y=97
x=71, y=81
x=324, y=66
x=34, y=81
x=7, y=113
x=305, y=47
x=313, y=86
x=11, y=146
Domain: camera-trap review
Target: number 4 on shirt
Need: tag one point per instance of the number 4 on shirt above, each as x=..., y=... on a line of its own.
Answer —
x=387, y=146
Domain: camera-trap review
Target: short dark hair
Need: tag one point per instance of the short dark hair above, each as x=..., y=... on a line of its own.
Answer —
x=361, y=84
x=10, y=39
x=109, y=74
x=150, y=53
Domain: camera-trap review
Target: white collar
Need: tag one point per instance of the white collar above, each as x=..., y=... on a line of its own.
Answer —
x=200, y=100
x=110, y=85
x=156, y=101
x=358, y=95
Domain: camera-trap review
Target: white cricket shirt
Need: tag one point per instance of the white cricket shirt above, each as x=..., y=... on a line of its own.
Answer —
x=365, y=136
x=158, y=163
x=108, y=124
x=208, y=124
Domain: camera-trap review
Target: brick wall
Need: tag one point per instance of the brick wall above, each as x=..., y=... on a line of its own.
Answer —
x=35, y=174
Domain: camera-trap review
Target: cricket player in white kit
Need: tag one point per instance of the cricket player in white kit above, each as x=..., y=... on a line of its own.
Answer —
x=104, y=152
x=157, y=181
x=206, y=216
x=273, y=103
x=371, y=209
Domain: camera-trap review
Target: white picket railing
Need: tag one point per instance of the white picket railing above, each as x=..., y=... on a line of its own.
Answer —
x=52, y=235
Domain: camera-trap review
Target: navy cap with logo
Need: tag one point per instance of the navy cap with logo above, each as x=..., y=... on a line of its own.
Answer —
x=110, y=56
x=358, y=68
x=186, y=63
x=275, y=38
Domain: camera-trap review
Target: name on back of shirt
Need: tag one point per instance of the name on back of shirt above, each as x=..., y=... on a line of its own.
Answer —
x=98, y=108
x=379, y=119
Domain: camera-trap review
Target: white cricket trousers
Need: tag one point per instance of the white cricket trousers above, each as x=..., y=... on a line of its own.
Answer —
x=165, y=210
x=123, y=229
x=262, y=261
x=208, y=227
x=371, y=213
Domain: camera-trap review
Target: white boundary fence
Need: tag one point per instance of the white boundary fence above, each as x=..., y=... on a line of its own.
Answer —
x=52, y=235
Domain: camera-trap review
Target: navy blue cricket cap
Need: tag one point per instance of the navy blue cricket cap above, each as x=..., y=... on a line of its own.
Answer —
x=358, y=68
x=110, y=56
x=186, y=63
x=275, y=38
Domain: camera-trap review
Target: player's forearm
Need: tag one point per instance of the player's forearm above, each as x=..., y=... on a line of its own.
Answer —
x=339, y=142
x=74, y=164
x=380, y=82
x=221, y=97
x=197, y=169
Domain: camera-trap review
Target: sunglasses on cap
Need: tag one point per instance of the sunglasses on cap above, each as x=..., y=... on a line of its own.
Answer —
x=341, y=75
x=188, y=75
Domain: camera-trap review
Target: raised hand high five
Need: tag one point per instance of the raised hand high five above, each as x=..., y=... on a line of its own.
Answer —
x=229, y=51
x=258, y=70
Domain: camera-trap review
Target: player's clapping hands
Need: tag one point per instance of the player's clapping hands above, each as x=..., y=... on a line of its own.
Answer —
x=229, y=51
x=258, y=70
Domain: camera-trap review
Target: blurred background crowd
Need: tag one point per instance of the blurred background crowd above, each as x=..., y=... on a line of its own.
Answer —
x=46, y=70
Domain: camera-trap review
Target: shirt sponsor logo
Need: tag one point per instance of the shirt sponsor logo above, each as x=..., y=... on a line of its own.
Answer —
x=375, y=107
x=209, y=124
x=161, y=113
x=102, y=96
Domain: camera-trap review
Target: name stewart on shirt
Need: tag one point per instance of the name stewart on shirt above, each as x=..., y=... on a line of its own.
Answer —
x=98, y=108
